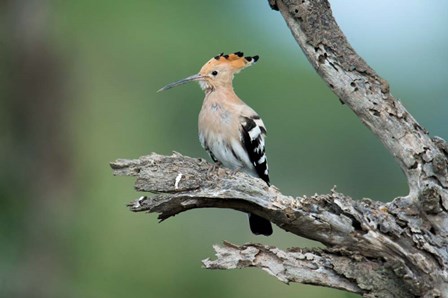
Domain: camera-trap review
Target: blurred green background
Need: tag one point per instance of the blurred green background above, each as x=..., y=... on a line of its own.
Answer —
x=77, y=86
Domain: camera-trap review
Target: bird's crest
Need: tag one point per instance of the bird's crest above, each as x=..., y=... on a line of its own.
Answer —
x=235, y=61
x=218, y=71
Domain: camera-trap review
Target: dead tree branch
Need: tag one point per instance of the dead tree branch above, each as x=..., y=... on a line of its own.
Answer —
x=368, y=95
x=364, y=232
x=310, y=266
x=396, y=249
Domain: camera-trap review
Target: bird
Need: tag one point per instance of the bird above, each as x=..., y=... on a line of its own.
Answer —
x=230, y=131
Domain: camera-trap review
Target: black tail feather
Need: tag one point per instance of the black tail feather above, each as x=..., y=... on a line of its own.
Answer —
x=259, y=225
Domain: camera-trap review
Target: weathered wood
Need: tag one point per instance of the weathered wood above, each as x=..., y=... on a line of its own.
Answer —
x=351, y=273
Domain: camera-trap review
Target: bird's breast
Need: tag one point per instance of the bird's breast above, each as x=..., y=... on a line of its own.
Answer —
x=216, y=119
x=219, y=133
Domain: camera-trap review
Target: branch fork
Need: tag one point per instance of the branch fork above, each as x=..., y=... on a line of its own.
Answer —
x=395, y=249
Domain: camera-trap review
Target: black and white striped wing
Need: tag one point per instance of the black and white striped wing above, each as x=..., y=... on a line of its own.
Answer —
x=253, y=133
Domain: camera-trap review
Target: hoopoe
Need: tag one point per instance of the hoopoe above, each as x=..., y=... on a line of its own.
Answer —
x=229, y=130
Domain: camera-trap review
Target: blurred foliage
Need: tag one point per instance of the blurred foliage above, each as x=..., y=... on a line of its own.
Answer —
x=113, y=56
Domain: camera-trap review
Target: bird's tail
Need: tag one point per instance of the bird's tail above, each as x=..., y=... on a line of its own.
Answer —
x=259, y=225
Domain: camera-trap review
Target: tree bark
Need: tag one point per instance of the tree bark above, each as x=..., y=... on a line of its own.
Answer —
x=396, y=249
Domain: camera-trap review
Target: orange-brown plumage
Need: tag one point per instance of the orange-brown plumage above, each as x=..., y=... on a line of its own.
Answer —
x=233, y=62
x=226, y=67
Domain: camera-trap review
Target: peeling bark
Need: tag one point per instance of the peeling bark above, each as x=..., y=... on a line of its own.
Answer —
x=395, y=249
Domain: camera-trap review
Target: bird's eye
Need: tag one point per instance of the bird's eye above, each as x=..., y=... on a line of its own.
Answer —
x=214, y=73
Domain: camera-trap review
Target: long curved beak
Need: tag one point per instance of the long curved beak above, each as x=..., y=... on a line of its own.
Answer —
x=196, y=77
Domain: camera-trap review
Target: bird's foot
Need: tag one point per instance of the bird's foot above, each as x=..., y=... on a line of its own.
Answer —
x=214, y=167
x=235, y=171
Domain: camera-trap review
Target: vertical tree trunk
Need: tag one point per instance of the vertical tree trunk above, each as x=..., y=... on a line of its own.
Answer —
x=35, y=151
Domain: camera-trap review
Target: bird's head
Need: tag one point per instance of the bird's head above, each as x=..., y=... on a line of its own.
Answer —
x=218, y=71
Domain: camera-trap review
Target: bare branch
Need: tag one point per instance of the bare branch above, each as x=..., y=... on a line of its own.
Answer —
x=354, y=274
x=287, y=266
x=330, y=219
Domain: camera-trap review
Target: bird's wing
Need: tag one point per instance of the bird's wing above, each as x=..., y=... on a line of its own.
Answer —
x=252, y=137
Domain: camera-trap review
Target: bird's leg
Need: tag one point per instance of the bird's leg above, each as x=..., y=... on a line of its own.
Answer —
x=236, y=170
